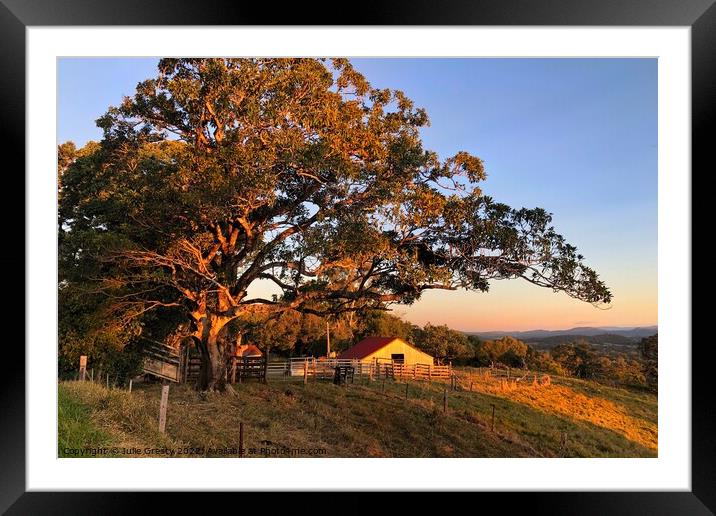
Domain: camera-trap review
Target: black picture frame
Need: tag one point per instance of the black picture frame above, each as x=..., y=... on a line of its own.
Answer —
x=16, y=15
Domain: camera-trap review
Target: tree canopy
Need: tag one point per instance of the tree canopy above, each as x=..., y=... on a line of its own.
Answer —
x=376, y=323
x=220, y=173
x=441, y=342
x=580, y=359
x=506, y=350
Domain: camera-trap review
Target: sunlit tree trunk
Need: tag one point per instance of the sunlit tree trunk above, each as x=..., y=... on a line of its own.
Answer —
x=214, y=353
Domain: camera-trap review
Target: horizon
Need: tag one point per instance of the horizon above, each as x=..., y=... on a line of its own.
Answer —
x=577, y=137
x=605, y=328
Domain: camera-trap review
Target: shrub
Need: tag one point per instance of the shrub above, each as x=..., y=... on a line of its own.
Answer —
x=120, y=363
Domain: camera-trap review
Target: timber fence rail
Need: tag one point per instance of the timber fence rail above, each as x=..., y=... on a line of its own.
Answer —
x=162, y=361
x=170, y=365
x=299, y=368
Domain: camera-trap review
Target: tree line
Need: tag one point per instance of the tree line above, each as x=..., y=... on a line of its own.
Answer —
x=297, y=334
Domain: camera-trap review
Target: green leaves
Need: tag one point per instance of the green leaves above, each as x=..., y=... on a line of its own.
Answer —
x=442, y=342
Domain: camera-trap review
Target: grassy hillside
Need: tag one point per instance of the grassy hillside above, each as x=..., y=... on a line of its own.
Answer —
x=567, y=418
x=76, y=428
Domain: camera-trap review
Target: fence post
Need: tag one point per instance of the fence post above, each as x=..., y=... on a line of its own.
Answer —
x=305, y=371
x=83, y=367
x=445, y=401
x=187, y=359
x=163, y=407
x=241, y=439
x=107, y=380
x=563, y=445
x=492, y=428
x=130, y=385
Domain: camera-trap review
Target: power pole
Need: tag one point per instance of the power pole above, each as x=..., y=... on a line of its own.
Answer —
x=328, y=340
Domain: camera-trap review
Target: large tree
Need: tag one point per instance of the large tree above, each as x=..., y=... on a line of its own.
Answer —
x=379, y=323
x=219, y=173
x=506, y=350
x=442, y=342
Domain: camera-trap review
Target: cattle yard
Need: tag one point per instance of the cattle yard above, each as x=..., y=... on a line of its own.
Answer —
x=166, y=363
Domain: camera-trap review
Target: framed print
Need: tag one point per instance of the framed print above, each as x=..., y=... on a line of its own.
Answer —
x=421, y=249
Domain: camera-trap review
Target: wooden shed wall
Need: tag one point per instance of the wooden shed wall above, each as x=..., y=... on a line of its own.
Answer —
x=398, y=346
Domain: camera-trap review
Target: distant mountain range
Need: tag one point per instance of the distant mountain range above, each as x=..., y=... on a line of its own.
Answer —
x=618, y=334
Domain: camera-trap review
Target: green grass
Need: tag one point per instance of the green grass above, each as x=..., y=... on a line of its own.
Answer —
x=75, y=429
x=358, y=420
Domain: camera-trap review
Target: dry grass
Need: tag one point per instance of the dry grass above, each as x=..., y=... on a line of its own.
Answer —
x=359, y=420
x=130, y=419
x=321, y=419
x=564, y=400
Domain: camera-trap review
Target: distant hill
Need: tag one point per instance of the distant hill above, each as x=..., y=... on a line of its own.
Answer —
x=605, y=341
x=588, y=333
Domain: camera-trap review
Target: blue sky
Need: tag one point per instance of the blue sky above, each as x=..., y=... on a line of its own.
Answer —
x=577, y=137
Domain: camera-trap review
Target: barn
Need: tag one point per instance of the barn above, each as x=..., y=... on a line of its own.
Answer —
x=386, y=348
x=247, y=350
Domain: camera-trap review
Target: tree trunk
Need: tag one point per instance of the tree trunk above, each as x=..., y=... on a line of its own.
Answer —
x=214, y=354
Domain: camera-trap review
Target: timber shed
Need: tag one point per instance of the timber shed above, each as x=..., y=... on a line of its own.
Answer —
x=386, y=348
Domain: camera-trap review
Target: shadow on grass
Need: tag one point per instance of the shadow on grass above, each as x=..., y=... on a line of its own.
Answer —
x=545, y=431
x=324, y=420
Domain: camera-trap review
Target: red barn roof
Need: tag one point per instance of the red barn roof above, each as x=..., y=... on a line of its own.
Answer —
x=248, y=350
x=366, y=347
